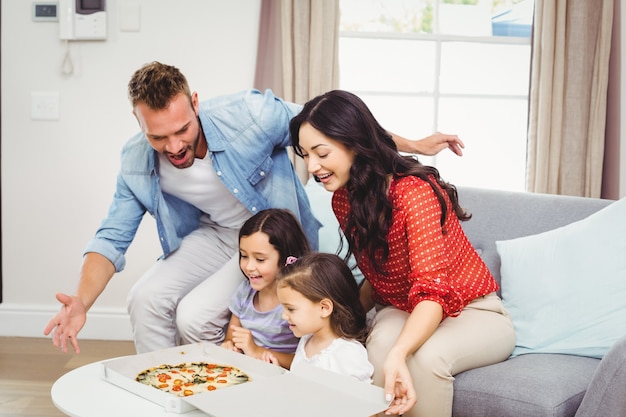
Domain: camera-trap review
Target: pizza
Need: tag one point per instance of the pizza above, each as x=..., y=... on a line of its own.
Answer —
x=192, y=378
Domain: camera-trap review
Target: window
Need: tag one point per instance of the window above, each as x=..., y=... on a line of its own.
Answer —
x=459, y=67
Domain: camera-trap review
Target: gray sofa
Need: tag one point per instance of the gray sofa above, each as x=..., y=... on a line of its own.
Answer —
x=530, y=385
x=535, y=385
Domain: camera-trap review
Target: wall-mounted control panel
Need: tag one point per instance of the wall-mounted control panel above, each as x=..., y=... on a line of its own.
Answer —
x=45, y=12
x=82, y=19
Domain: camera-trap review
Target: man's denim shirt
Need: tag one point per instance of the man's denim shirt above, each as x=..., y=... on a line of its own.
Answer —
x=248, y=136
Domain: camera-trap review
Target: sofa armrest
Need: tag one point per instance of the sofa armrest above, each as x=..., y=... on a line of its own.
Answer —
x=605, y=394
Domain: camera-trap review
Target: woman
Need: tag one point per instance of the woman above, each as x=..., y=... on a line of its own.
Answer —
x=437, y=313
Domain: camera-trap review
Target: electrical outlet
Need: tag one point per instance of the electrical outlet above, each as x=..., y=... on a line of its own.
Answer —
x=44, y=105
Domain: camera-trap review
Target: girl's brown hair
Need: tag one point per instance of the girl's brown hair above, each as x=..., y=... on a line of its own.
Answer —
x=283, y=230
x=319, y=275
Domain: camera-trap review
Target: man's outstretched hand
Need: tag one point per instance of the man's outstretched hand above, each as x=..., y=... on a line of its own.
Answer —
x=67, y=322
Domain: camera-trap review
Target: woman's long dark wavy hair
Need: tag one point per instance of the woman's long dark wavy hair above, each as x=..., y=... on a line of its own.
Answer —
x=345, y=118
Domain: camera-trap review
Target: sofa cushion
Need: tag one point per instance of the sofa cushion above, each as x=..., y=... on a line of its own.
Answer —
x=534, y=385
x=503, y=215
x=566, y=288
x=605, y=394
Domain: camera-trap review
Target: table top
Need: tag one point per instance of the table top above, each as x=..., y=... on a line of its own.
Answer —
x=83, y=392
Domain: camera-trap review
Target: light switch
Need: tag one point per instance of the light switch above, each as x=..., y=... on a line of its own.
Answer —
x=44, y=105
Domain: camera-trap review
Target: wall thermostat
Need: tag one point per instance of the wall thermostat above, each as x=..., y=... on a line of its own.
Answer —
x=45, y=12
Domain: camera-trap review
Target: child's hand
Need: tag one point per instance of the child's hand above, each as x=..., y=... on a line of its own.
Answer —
x=228, y=344
x=269, y=357
x=243, y=340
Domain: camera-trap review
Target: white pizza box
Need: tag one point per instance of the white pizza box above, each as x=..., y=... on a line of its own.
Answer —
x=306, y=392
x=272, y=390
x=123, y=371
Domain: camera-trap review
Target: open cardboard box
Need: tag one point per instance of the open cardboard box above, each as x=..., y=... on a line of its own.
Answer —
x=272, y=391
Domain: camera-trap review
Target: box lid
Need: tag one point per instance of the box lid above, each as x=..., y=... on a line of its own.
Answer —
x=306, y=392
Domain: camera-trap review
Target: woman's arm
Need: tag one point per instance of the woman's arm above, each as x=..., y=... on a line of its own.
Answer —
x=420, y=325
x=430, y=145
x=428, y=277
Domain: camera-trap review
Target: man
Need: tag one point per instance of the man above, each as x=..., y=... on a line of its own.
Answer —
x=200, y=169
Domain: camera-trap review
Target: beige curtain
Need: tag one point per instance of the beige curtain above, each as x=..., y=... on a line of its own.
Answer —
x=568, y=93
x=298, y=51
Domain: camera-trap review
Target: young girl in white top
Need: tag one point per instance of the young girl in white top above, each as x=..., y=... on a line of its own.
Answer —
x=256, y=325
x=320, y=299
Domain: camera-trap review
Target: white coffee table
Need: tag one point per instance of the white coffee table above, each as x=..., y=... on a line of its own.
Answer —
x=84, y=392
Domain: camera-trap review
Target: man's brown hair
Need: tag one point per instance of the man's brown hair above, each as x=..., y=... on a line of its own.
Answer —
x=156, y=84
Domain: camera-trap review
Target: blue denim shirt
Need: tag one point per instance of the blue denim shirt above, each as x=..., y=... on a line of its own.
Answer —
x=248, y=136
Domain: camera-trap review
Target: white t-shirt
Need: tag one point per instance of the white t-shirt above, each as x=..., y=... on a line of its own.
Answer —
x=346, y=357
x=200, y=186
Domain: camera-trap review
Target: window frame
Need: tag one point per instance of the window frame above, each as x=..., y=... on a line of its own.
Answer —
x=436, y=95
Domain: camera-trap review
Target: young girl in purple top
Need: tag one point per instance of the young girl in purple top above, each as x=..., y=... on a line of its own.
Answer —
x=256, y=327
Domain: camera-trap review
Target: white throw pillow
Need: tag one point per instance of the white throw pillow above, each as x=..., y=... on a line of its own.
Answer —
x=566, y=288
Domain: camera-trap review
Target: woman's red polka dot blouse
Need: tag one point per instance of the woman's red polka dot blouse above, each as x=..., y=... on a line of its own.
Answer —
x=423, y=263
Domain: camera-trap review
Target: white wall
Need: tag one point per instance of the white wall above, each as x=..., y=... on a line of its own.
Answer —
x=58, y=176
